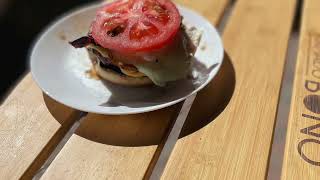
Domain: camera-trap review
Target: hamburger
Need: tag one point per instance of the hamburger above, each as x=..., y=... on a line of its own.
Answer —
x=139, y=42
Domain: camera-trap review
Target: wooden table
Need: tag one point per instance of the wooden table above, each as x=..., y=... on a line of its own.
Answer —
x=231, y=131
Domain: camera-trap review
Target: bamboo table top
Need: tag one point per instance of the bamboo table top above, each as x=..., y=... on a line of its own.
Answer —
x=231, y=131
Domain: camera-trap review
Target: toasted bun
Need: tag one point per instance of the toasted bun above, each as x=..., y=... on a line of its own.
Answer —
x=116, y=78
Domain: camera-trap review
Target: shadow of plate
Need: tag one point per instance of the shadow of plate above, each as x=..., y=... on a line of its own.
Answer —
x=150, y=128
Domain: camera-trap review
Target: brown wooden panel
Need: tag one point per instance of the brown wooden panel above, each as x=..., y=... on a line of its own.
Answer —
x=120, y=147
x=302, y=152
x=31, y=124
x=236, y=144
x=115, y=147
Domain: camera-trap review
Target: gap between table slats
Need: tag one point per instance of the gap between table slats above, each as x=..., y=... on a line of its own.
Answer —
x=236, y=144
x=280, y=129
x=29, y=130
x=120, y=147
x=301, y=158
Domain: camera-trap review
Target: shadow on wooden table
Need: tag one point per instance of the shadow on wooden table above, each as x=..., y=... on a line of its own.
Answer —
x=212, y=100
x=150, y=128
x=60, y=112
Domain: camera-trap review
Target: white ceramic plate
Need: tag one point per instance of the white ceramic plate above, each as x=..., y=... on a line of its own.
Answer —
x=60, y=70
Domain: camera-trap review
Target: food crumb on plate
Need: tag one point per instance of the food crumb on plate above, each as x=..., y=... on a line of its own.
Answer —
x=203, y=47
x=62, y=36
x=91, y=73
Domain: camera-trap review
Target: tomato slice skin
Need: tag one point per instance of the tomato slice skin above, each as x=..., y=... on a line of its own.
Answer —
x=136, y=25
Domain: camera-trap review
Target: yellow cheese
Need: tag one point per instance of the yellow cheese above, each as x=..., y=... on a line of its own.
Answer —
x=130, y=70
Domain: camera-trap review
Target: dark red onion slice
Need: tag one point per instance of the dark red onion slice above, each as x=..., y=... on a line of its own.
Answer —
x=83, y=42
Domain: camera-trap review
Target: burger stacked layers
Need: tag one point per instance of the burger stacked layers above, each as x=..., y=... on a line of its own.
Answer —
x=139, y=42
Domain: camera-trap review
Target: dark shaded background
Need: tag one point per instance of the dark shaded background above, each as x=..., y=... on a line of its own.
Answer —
x=21, y=22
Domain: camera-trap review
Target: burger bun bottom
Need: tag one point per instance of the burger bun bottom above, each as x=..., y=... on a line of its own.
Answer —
x=116, y=78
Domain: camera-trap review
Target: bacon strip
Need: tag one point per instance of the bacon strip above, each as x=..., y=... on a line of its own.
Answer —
x=83, y=42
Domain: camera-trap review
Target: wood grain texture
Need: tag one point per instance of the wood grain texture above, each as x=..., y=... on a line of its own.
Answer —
x=111, y=147
x=236, y=144
x=211, y=9
x=29, y=130
x=119, y=147
x=301, y=159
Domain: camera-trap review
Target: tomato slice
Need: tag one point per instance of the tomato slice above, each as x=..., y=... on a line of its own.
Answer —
x=136, y=25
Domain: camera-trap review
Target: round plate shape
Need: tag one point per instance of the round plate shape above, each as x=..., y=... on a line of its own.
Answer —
x=60, y=70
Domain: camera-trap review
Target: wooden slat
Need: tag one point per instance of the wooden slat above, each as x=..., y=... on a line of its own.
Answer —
x=236, y=144
x=119, y=147
x=28, y=130
x=302, y=152
x=211, y=9
x=115, y=147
